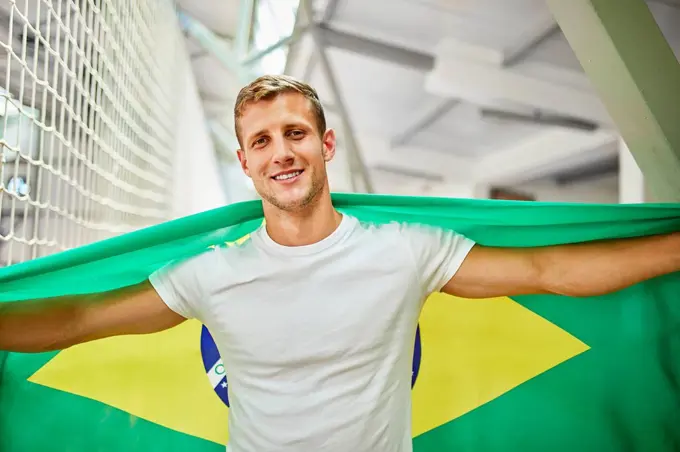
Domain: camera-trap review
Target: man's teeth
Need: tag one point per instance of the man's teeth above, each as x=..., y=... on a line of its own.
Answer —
x=287, y=176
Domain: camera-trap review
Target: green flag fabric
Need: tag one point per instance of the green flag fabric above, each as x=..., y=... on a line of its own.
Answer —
x=530, y=373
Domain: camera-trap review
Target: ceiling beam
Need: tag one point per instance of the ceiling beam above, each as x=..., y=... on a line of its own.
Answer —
x=424, y=61
x=222, y=50
x=424, y=121
x=313, y=60
x=521, y=52
x=609, y=165
x=329, y=12
x=415, y=159
x=376, y=49
x=480, y=77
x=544, y=154
x=357, y=167
x=539, y=118
x=514, y=56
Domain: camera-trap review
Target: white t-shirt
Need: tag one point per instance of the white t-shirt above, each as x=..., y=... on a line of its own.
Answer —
x=317, y=340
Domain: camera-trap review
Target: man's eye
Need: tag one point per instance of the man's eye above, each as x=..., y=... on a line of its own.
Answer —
x=296, y=133
x=260, y=141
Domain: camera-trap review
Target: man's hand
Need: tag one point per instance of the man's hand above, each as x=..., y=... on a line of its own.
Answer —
x=578, y=270
x=55, y=324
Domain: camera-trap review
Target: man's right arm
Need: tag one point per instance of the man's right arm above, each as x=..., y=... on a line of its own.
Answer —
x=58, y=323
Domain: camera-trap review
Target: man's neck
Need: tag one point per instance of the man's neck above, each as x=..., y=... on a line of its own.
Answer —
x=308, y=226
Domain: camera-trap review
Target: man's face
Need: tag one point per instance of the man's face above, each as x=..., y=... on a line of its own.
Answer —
x=282, y=151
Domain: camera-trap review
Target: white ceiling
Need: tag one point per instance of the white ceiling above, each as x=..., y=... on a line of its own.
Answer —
x=421, y=24
x=418, y=75
x=388, y=57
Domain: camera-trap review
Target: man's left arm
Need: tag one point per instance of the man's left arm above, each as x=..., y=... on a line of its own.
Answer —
x=578, y=270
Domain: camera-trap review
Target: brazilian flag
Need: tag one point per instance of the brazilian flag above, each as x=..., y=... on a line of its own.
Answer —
x=531, y=373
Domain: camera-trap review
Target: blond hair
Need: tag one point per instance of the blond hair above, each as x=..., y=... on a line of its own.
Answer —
x=268, y=87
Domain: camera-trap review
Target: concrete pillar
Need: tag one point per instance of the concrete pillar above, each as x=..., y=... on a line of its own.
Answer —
x=196, y=184
x=637, y=76
x=631, y=180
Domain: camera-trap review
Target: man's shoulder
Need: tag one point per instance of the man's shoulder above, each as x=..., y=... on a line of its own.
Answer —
x=391, y=236
x=411, y=234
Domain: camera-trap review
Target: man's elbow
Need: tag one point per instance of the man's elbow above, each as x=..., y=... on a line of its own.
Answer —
x=552, y=277
x=555, y=280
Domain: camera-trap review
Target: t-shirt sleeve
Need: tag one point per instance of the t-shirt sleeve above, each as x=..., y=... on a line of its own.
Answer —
x=438, y=253
x=181, y=285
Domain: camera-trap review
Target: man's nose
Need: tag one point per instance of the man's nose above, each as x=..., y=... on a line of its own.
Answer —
x=282, y=152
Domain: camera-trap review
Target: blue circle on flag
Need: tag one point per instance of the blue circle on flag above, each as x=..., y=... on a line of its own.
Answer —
x=416, y=358
x=214, y=368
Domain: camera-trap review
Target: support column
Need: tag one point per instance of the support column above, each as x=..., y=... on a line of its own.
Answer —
x=244, y=28
x=357, y=167
x=636, y=75
x=196, y=183
x=631, y=179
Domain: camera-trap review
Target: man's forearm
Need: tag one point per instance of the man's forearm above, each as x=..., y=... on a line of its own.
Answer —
x=37, y=326
x=597, y=268
x=57, y=323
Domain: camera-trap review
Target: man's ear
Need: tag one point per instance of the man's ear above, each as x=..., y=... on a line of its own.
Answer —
x=328, y=143
x=243, y=161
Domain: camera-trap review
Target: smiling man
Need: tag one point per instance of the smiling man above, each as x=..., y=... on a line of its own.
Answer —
x=315, y=315
x=285, y=147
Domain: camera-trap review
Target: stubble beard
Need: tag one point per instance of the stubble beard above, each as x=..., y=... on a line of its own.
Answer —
x=309, y=199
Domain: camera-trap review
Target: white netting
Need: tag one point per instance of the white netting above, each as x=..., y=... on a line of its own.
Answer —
x=87, y=120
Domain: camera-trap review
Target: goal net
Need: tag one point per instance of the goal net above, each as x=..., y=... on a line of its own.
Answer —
x=87, y=120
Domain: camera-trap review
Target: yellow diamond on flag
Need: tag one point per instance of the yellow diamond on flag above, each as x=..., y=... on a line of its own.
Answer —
x=472, y=352
x=476, y=350
x=158, y=377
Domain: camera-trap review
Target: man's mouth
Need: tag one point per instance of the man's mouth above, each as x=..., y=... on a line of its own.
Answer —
x=287, y=175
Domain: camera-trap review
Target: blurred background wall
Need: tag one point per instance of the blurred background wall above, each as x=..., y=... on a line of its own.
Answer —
x=116, y=115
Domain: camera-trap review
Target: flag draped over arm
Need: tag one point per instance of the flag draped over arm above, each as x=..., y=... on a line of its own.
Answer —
x=530, y=373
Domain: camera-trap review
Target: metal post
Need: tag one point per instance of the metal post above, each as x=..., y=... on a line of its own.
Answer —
x=226, y=55
x=288, y=40
x=212, y=43
x=244, y=28
x=226, y=139
x=357, y=165
x=637, y=76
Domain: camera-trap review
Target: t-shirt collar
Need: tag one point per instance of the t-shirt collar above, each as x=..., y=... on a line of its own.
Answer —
x=263, y=240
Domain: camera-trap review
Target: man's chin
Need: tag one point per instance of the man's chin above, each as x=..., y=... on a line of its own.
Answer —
x=289, y=201
x=295, y=202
